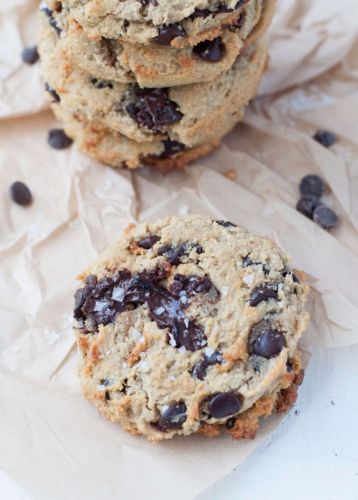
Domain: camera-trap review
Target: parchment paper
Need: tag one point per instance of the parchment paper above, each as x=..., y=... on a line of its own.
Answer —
x=52, y=441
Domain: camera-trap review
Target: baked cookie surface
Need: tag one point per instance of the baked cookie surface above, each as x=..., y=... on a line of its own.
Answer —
x=190, y=114
x=190, y=325
x=168, y=23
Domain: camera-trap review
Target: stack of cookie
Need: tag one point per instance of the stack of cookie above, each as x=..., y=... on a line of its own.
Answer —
x=156, y=82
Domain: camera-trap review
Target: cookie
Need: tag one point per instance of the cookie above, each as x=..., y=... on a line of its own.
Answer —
x=164, y=23
x=116, y=150
x=150, y=65
x=191, y=114
x=190, y=325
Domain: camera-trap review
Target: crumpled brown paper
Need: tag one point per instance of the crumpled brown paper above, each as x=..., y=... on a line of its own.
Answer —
x=53, y=442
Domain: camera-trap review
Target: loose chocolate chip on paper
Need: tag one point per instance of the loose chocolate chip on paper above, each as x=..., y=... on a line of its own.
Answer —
x=325, y=217
x=307, y=204
x=312, y=186
x=21, y=194
x=30, y=55
x=57, y=139
x=325, y=138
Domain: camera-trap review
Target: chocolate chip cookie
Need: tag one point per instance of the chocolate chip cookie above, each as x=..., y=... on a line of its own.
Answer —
x=164, y=22
x=191, y=114
x=190, y=325
x=116, y=150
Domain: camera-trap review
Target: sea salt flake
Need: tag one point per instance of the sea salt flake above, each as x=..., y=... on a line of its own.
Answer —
x=159, y=310
x=51, y=336
x=182, y=349
x=209, y=351
x=248, y=279
x=135, y=335
x=224, y=291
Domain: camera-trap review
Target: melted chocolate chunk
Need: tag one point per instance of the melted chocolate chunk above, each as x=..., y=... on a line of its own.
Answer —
x=20, y=194
x=153, y=109
x=57, y=139
x=101, y=84
x=265, y=341
x=52, y=20
x=210, y=50
x=30, y=55
x=166, y=34
x=263, y=293
x=230, y=423
x=171, y=148
x=325, y=138
x=312, y=186
x=100, y=302
x=172, y=417
x=184, y=285
x=225, y=223
x=325, y=217
x=148, y=242
x=224, y=404
x=53, y=93
x=200, y=13
x=201, y=366
x=174, y=254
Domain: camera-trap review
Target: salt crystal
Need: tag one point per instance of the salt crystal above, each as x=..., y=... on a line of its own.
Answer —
x=182, y=349
x=135, y=334
x=159, y=310
x=224, y=291
x=209, y=351
x=51, y=336
x=248, y=279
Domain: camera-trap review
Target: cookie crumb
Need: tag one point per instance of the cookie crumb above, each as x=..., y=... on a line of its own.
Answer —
x=230, y=174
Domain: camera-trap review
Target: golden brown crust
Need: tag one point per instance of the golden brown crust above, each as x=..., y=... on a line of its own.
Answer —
x=246, y=425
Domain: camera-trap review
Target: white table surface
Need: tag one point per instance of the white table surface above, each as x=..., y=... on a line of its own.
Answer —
x=312, y=455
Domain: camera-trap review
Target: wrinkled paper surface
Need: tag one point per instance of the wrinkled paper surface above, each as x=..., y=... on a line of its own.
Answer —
x=52, y=441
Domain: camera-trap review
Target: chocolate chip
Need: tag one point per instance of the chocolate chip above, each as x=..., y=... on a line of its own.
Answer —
x=325, y=217
x=200, y=13
x=210, y=50
x=171, y=148
x=190, y=285
x=199, y=369
x=230, y=423
x=148, y=242
x=30, y=55
x=224, y=404
x=174, y=254
x=225, y=223
x=312, y=186
x=166, y=34
x=289, y=366
x=101, y=84
x=263, y=293
x=147, y=2
x=307, y=204
x=52, y=20
x=52, y=92
x=57, y=139
x=20, y=194
x=326, y=138
x=247, y=262
x=265, y=341
x=172, y=417
x=99, y=302
x=153, y=109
